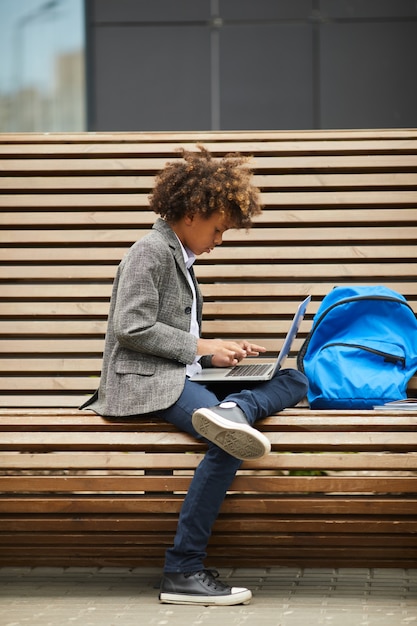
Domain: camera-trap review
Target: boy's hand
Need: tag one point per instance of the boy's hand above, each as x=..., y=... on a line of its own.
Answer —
x=227, y=353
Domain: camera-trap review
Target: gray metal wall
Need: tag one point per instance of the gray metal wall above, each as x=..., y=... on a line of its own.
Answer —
x=251, y=64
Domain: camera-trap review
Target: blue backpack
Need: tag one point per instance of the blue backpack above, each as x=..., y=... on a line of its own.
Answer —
x=361, y=350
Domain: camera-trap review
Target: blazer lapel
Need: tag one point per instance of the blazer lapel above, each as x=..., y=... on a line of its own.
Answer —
x=166, y=231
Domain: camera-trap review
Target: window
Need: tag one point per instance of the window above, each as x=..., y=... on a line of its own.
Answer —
x=42, y=74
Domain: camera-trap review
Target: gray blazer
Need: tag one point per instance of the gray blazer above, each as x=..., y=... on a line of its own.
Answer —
x=148, y=343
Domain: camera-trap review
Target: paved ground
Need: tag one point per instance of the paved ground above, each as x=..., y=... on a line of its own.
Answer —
x=282, y=597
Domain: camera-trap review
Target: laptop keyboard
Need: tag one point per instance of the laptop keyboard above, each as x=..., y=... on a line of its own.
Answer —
x=256, y=369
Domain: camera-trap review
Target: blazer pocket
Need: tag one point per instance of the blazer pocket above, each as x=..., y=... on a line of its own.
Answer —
x=141, y=368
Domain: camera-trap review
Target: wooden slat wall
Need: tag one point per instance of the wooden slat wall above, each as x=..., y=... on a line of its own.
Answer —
x=340, y=208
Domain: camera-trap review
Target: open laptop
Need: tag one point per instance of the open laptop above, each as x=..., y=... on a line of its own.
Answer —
x=255, y=372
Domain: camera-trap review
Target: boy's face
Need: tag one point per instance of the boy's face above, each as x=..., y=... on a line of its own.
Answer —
x=202, y=235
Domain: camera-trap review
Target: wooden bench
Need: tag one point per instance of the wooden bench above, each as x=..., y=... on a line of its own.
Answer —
x=339, y=488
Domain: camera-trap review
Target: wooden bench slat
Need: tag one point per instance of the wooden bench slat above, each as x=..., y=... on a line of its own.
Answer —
x=109, y=461
x=283, y=253
x=146, y=183
x=225, y=254
x=220, y=541
x=367, y=505
x=264, y=484
x=338, y=531
x=234, y=525
x=60, y=419
x=258, y=234
x=138, y=217
x=232, y=272
x=232, y=308
x=49, y=399
x=304, y=441
x=48, y=364
x=222, y=531
x=154, y=557
x=94, y=327
x=239, y=291
x=73, y=184
x=53, y=399
x=316, y=253
x=331, y=163
x=269, y=199
x=139, y=559
x=339, y=272
x=74, y=345
x=81, y=202
x=220, y=545
x=48, y=345
x=56, y=309
x=369, y=146
x=43, y=383
x=197, y=136
x=54, y=415
x=56, y=327
x=317, y=219
x=137, y=203
x=99, y=309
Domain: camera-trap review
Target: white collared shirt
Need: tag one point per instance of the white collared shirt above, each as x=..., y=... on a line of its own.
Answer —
x=189, y=258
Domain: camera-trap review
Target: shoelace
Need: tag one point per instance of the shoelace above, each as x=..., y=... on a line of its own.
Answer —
x=210, y=577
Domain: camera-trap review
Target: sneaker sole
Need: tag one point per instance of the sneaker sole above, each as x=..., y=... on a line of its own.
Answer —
x=240, y=440
x=241, y=597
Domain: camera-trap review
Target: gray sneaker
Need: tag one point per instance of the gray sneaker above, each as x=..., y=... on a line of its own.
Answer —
x=227, y=426
x=201, y=588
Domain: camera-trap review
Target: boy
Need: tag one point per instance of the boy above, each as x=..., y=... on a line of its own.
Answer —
x=153, y=346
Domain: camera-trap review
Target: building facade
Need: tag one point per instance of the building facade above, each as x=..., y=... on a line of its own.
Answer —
x=251, y=64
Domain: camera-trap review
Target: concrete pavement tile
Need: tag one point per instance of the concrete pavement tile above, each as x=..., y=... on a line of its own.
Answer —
x=282, y=597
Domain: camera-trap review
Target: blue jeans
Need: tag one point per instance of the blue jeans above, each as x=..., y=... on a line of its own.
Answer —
x=217, y=470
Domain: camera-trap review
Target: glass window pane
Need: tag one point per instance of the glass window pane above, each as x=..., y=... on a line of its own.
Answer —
x=42, y=73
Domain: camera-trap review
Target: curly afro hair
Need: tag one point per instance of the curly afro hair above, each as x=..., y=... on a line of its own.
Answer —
x=200, y=184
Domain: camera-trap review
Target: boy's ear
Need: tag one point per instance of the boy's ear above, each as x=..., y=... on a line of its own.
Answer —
x=188, y=219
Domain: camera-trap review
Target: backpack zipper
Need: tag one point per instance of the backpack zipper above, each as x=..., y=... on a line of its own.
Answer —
x=389, y=358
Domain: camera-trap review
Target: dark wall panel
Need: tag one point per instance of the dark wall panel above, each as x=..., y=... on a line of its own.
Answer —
x=368, y=74
x=151, y=78
x=266, y=76
x=368, y=9
x=129, y=11
x=251, y=64
x=265, y=9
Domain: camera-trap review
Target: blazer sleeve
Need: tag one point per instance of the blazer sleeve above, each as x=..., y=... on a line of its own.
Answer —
x=153, y=304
